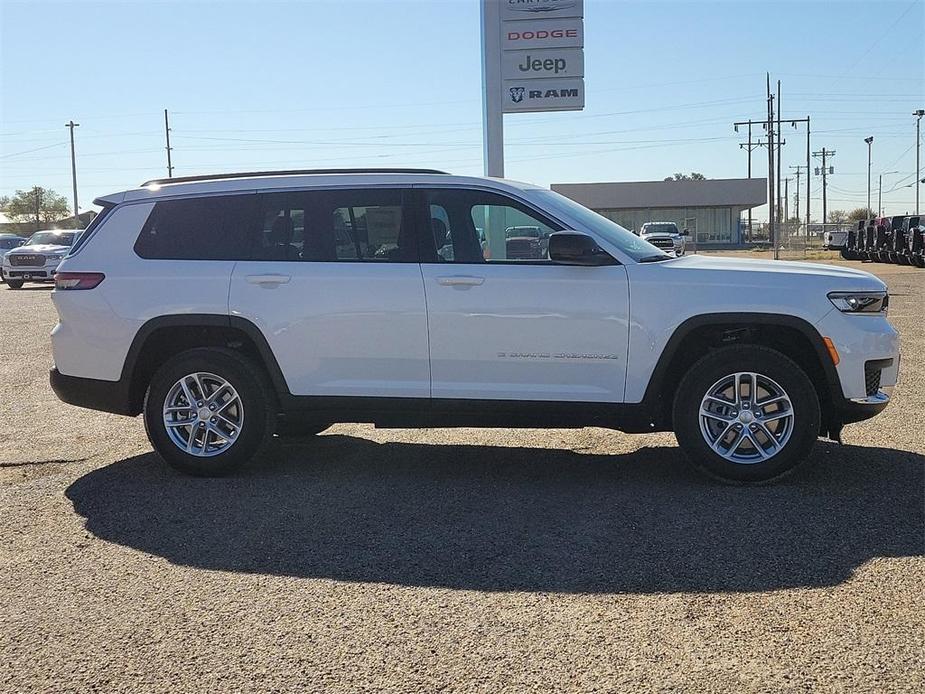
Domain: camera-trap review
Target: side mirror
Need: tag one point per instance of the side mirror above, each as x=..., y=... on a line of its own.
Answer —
x=575, y=248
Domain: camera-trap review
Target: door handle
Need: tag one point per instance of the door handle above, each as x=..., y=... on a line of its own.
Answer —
x=268, y=280
x=460, y=281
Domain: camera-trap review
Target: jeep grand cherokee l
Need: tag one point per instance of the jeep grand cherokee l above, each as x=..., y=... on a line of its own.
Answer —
x=223, y=308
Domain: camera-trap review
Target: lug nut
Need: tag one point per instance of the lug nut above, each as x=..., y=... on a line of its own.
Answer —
x=212, y=420
x=199, y=404
x=212, y=407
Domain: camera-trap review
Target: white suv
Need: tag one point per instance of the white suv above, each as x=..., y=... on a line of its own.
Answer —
x=225, y=308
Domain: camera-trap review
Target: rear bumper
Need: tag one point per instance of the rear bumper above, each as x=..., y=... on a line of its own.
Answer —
x=106, y=396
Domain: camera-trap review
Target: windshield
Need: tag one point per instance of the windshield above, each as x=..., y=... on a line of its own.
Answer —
x=520, y=232
x=52, y=238
x=625, y=240
x=659, y=229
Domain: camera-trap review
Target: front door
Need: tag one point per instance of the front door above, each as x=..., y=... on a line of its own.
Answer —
x=504, y=322
x=334, y=285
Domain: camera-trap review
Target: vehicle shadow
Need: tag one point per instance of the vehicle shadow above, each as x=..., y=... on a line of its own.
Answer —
x=505, y=519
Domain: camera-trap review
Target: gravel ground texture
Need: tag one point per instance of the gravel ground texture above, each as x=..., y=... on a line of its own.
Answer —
x=453, y=560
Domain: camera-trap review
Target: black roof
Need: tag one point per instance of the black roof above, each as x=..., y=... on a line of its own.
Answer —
x=294, y=172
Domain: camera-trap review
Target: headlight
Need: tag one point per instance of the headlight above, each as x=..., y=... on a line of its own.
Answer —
x=860, y=302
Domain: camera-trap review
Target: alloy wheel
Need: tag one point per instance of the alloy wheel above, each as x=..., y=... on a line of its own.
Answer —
x=746, y=418
x=203, y=414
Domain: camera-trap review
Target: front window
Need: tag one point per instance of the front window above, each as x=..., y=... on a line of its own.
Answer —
x=659, y=229
x=625, y=240
x=52, y=238
x=7, y=244
x=471, y=226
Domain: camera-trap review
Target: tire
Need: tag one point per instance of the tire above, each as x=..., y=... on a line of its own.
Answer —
x=221, y=444
x=793, y=436
x=920, y=261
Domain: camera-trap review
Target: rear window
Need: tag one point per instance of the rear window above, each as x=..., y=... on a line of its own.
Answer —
x=7, y=244
x=207, y=228
x=329, y=226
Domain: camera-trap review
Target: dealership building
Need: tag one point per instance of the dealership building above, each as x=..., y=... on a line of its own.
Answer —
x=712, y=210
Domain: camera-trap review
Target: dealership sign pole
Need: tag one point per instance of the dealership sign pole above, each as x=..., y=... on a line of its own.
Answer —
x=532, y=60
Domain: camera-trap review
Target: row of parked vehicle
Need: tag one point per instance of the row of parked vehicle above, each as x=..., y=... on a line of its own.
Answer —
x=899, y=239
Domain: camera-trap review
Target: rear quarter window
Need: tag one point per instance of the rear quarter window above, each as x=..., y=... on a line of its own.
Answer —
x=207, y=228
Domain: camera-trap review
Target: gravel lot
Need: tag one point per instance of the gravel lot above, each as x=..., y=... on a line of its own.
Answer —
x=472, y=560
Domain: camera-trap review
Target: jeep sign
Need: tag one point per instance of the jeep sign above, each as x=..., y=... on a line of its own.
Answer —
x=566, y=94
x=554, y=62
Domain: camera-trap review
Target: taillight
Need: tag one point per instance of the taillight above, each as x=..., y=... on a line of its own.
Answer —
x=78, y=280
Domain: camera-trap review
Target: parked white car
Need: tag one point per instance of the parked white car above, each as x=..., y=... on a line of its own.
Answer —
x=835, y=240
x=37, y=259
x=223, y=308
x=665, y=236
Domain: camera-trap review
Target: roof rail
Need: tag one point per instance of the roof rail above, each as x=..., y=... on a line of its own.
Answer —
x=295, y=172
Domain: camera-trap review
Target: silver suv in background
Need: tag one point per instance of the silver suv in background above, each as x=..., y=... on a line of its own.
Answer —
x=666, y=236
x=7, y=243
x=38, y=258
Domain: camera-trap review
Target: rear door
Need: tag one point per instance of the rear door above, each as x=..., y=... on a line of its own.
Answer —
x=334, y=284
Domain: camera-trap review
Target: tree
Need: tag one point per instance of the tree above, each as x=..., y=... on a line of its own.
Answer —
x=860, y=213
x=38, y=205
x=694, y=176
x=837, y=217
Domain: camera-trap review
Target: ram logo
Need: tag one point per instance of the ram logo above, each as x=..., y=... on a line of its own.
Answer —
x=517, y=94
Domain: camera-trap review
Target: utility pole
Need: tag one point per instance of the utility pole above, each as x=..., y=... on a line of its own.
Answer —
x=37, y=198
x=786, y=200
x=749, y=147
x=825, y=171
x=772, y=236
x=869, y=141
x=167, y=133
x=918, y=143
x=780, y=143
x=799, y=169
x=880, y=191
x=72, y=125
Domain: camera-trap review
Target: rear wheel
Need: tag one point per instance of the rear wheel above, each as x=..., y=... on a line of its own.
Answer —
x=207, y=411
x=746, y=414
x=15, y=284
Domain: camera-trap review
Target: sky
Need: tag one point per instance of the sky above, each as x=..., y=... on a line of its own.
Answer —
x=277, y=85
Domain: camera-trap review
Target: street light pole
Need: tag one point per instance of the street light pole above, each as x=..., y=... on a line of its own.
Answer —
x=918, y=142
x=880, y=192
x=869, y=141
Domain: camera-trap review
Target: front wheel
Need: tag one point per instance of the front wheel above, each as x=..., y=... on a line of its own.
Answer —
x=746, y=414
x=207, y=411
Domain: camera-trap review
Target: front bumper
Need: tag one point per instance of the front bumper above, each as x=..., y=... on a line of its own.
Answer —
x=30, y=274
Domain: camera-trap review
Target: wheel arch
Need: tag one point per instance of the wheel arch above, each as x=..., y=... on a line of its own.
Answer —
x=163, y=337
x=790, y=335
